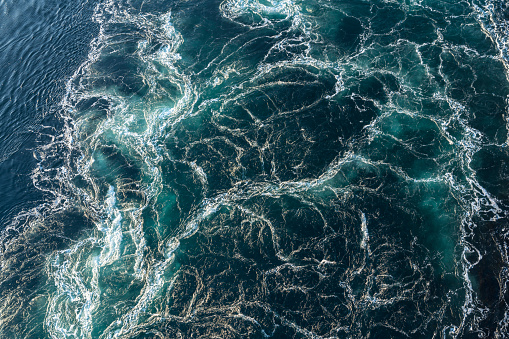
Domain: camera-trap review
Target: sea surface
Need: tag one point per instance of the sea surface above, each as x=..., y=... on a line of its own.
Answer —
x=254, y=169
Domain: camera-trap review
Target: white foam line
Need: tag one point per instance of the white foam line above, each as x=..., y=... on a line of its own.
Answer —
x=77, y=288
x=365, y=235
x=495, y=30
x=71, y=286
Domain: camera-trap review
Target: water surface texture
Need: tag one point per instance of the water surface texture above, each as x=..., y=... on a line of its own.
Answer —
x=255, y=169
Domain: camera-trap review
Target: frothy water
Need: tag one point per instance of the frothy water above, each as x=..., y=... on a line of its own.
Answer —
x=272, y=169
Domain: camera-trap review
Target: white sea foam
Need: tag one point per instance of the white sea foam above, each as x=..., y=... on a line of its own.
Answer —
x=77, y=272
x=365, y=234
x=77, y=295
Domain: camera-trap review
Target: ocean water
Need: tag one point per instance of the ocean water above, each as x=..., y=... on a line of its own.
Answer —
x=254, y=169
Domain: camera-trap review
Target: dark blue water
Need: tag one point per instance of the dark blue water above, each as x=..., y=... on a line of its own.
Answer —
x=254, y=169
x=42, y=44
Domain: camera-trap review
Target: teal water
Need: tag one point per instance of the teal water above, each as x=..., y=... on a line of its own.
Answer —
x=271, y=169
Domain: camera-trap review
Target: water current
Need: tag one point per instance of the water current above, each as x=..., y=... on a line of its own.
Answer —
x=255, y=169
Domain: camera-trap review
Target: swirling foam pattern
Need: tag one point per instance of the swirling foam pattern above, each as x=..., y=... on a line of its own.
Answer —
x=276, y=169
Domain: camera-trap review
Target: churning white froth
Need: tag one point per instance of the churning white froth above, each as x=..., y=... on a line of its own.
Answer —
x=137, y=127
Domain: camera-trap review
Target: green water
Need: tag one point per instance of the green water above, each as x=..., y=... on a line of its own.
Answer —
x=283, y=169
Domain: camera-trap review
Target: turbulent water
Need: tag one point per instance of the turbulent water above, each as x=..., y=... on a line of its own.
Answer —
x=254, y=169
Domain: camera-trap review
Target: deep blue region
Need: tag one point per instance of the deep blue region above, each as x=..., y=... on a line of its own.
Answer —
x=41, y=44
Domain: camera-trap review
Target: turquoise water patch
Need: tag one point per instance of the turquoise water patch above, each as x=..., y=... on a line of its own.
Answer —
x=272, y=169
